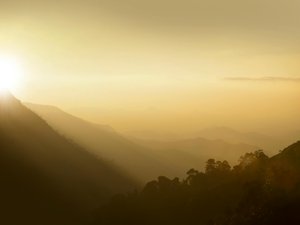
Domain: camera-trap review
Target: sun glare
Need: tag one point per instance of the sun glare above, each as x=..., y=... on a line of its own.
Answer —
x=10, y=73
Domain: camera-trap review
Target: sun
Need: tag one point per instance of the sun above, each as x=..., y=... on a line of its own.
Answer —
x=10, y=73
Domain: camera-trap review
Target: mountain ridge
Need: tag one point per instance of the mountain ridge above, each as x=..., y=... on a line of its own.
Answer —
x=59, y=180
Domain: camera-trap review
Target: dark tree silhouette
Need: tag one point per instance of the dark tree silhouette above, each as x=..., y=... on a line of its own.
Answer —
x=248, y=194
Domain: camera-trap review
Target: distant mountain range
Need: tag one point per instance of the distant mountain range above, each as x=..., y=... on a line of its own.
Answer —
x=142, y=159
x=56, y=168
x=269, y=143
x=194, y=152
x=136, y=160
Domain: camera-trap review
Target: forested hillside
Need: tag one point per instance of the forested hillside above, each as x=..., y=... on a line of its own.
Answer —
x=259, y=190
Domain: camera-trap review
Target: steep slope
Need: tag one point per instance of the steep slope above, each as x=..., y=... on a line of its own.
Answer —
x=291, y=153
x=284, y=168
x=144, y=159
x=46, y=179
x=136, y=160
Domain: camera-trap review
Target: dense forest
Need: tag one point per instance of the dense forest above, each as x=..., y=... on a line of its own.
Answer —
x=258, y=191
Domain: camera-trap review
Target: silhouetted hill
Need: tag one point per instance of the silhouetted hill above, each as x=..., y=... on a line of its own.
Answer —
x=132, y=158
x=46, y=179
x=292, y=152
x=286, y=167
x=258, y=190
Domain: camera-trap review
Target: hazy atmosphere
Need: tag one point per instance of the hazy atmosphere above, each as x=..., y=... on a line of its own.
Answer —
x=149, y=112
x=163, y=66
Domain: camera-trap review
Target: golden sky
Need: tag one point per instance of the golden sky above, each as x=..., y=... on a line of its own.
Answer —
x=160, y=64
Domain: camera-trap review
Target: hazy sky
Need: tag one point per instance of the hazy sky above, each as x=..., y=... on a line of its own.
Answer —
x=160, y=64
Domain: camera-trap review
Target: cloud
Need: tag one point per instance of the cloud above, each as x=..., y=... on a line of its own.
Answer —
x=265, y=79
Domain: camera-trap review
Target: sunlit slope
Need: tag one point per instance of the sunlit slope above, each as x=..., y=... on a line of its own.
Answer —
x=144, y=159
x=136, y=160
x=46, y=179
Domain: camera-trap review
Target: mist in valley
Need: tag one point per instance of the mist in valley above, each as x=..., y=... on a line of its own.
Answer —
x=149, y=112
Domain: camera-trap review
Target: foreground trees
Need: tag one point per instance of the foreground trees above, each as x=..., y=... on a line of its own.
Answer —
x=251, y=193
